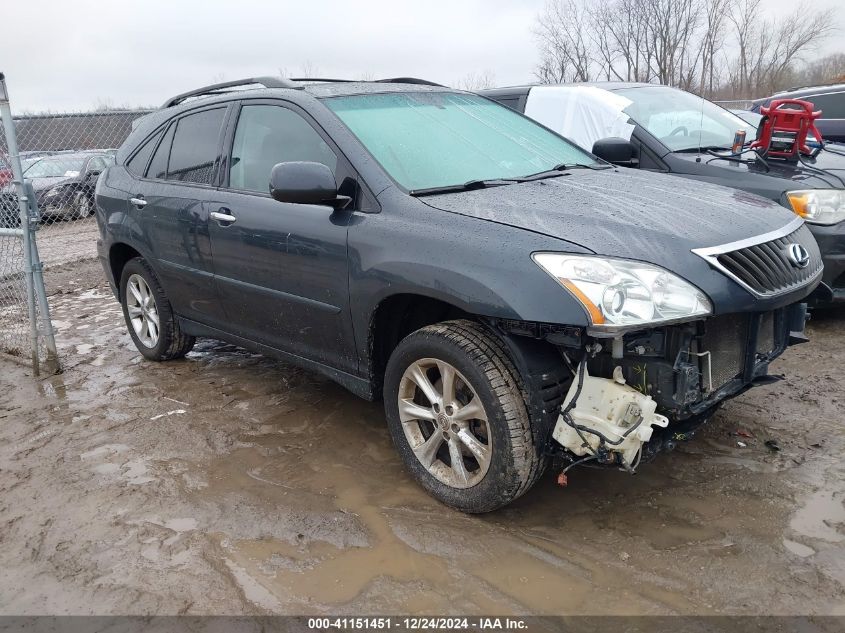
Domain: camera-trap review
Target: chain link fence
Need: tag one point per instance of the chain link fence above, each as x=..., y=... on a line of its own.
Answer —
x=61, y=156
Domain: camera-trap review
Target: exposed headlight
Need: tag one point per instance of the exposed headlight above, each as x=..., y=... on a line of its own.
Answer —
x=618, y=293
x=819, y=206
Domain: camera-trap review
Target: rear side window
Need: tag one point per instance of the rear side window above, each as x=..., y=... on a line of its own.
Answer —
x=138, y=163
x=195, y=144
x=158, y=166
x=832, y=105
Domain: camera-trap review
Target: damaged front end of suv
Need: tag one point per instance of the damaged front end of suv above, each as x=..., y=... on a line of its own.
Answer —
x=687, y=293
x=656, y=361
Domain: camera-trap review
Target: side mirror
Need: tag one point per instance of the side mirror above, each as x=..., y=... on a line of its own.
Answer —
x=305, y=183
x=617, y=151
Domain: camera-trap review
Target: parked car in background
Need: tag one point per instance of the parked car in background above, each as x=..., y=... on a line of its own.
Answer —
x=6, y=167
x=35, y=154
x=657, y=128
x=829, y=99
x=470, y=267
x=64, y=183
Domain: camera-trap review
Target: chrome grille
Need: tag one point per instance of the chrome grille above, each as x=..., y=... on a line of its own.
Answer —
x=763, y=265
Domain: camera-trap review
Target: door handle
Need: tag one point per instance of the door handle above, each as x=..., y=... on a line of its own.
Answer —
x=138, y=202
x=222, y=217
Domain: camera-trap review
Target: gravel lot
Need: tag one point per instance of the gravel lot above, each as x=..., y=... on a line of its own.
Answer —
x=229, y=483
x=63, y=242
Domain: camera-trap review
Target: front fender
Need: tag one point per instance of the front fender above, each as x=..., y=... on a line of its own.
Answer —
x=481, y=267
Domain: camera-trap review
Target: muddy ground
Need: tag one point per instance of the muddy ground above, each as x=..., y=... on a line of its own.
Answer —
x=228, y=483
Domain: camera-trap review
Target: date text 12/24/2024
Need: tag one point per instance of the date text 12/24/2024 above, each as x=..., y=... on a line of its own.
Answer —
x=417, y=623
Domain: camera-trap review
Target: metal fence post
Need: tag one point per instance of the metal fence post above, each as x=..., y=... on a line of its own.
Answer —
x=32, y=265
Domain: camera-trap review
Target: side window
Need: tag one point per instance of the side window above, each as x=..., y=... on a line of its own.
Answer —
x=138, y=163
x=195, y=143
x=832, y=105
x=158, y=165
x=267, y=135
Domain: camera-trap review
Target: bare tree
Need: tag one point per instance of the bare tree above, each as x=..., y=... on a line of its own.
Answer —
x=477, y=81
x=620, y=38
x=309, y=69
x=713, y=47
x=828, y=69
x=713, y=18
x=770, y=50
x=563, y=34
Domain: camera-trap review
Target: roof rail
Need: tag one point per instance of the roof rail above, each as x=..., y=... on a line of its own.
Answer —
x=322, y=80
x=395, y=80
x=408, y=80
x=267, y=82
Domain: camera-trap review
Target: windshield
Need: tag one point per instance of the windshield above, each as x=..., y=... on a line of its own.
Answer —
x=56, y=167
x=428, y=140
x=683, y=121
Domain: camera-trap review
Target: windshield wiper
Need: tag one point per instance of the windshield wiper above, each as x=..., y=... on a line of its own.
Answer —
x=469, y=185
x=703, y=148
x=559, y=170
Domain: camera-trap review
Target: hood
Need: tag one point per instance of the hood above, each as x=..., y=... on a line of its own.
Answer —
x=624, y=213
x=801, y=175
x=42, y=184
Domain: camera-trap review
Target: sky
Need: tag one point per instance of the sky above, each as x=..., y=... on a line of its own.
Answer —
x=65, y=56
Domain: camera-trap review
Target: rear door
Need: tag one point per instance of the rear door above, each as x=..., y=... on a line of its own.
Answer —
x=171, y=205
x=281, y=268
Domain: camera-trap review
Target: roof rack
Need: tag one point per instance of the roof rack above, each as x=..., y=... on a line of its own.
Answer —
x=267, y=82
x=408, y=80
x=281, y=82
x=322, y=80
x=393, y=80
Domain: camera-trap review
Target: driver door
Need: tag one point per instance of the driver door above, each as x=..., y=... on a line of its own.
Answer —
x=281, y=268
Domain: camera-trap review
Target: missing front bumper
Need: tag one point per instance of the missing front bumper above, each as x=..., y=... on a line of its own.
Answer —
x=691, y=367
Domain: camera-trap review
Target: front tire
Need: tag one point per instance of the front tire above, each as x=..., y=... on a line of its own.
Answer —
x=149, y=317
x=457, y=416
x=82, y=207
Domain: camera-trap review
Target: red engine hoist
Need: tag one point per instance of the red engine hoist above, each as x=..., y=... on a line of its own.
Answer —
x=782, y=132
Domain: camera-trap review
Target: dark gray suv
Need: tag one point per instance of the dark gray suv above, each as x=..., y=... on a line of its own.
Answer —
x=511, y=297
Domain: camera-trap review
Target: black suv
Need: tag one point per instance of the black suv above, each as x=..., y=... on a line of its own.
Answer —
x=510, y=297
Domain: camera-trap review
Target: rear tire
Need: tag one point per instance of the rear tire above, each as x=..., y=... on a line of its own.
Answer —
x=82, y=207
x=470, y=445
x=149, y=317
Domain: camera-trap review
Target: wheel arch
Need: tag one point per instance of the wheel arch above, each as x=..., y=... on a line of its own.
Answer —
x=396, y=316
x=119, y=254
x=539, y=363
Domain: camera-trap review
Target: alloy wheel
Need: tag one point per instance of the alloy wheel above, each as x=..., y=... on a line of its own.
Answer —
x=83, y=207
x=142, y=311
x=445, y=423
